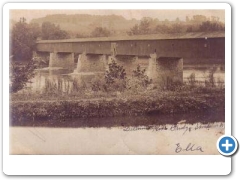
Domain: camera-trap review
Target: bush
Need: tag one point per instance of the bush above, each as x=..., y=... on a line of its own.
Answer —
x=141, y=77
x=191, y=80
x=115, y=77
x=98, y=84
x=135, y=85
x=210, y=78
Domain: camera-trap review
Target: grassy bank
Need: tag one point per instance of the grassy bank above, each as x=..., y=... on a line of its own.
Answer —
x=124, y=104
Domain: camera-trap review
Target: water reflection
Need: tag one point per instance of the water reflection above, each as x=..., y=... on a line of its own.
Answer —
x=64, y=79
x=55, y=76
x=125, y=121
x=202, y=74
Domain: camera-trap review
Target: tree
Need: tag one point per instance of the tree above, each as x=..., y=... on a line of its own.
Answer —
x=115, y=72
x=212, y=26
x=115, y=77
x=199, y=18
x=51, y=31
x=22, y=40
x=144, y=26
x=162, y=29
x=100, y=32
x=134, y=30
x=22, y=44
x=176, y=28
x=20, y=75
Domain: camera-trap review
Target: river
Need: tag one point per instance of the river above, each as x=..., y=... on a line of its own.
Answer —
x=66, y=77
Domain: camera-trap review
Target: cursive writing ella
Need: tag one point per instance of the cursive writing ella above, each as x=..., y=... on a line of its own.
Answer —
x=190, y=147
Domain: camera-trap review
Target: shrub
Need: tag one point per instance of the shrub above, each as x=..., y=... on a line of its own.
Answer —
x=141, y=77
x=191, y=80
x=174, y=85
x=115, y=77
x=98, y=84
x=210, y=78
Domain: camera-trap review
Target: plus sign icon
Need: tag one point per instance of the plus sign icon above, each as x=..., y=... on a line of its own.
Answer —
x=227, y=145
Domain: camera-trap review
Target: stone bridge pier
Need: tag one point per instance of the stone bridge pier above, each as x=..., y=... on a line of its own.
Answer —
x=91, y=63
x=170, y=70
x=55, y=59
x=162, y=70
x=62, y=60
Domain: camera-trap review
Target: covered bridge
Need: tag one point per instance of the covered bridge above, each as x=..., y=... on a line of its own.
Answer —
x=161, y=54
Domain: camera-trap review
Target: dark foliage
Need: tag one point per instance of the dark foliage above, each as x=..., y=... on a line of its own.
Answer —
x=114, y=72
x=100, y=32
x=20, y=74
x=171, y=103
x=22, y=40
x=141, y=76
x=198, y=23
x=51, y=31
x=211, y=26
x=142, y=28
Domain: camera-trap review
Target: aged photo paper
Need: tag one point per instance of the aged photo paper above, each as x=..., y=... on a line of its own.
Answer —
x=116, y=81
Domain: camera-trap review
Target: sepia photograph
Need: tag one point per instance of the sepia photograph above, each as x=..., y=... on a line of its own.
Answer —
x=116, y=81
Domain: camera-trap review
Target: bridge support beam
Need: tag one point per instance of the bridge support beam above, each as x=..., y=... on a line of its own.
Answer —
x=62, y=60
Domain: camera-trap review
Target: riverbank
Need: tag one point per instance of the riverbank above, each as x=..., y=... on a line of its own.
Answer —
x=207, y=101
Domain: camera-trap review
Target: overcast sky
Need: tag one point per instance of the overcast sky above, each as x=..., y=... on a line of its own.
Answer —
x=128, y=14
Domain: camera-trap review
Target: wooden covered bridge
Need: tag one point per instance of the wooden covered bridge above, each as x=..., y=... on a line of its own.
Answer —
x=161, y=54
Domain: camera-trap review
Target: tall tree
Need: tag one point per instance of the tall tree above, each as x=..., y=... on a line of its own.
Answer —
x=22, y=40
x=144, y=26
x=51, y=31
x=134, y=30
x=100, y=32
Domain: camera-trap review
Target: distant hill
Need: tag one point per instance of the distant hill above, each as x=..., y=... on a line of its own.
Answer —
x=84, y=24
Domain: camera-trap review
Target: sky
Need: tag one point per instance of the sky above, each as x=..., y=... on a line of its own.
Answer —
x=128, y=14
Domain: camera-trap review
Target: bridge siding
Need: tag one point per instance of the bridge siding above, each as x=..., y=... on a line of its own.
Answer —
x=185, y=48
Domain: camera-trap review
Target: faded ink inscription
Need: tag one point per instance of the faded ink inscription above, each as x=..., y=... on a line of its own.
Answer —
x=190, y=148
x=184, y=128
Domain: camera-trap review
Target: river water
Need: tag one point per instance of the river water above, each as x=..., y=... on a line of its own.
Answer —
x=125, y=121
x=55, y=75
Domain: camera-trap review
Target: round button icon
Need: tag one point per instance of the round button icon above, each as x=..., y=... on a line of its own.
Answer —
x=227, y=145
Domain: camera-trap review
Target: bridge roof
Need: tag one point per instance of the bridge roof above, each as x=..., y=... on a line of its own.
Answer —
x=190, y=35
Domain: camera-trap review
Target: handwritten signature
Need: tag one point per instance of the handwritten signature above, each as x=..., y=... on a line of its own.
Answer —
x=190, y=147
